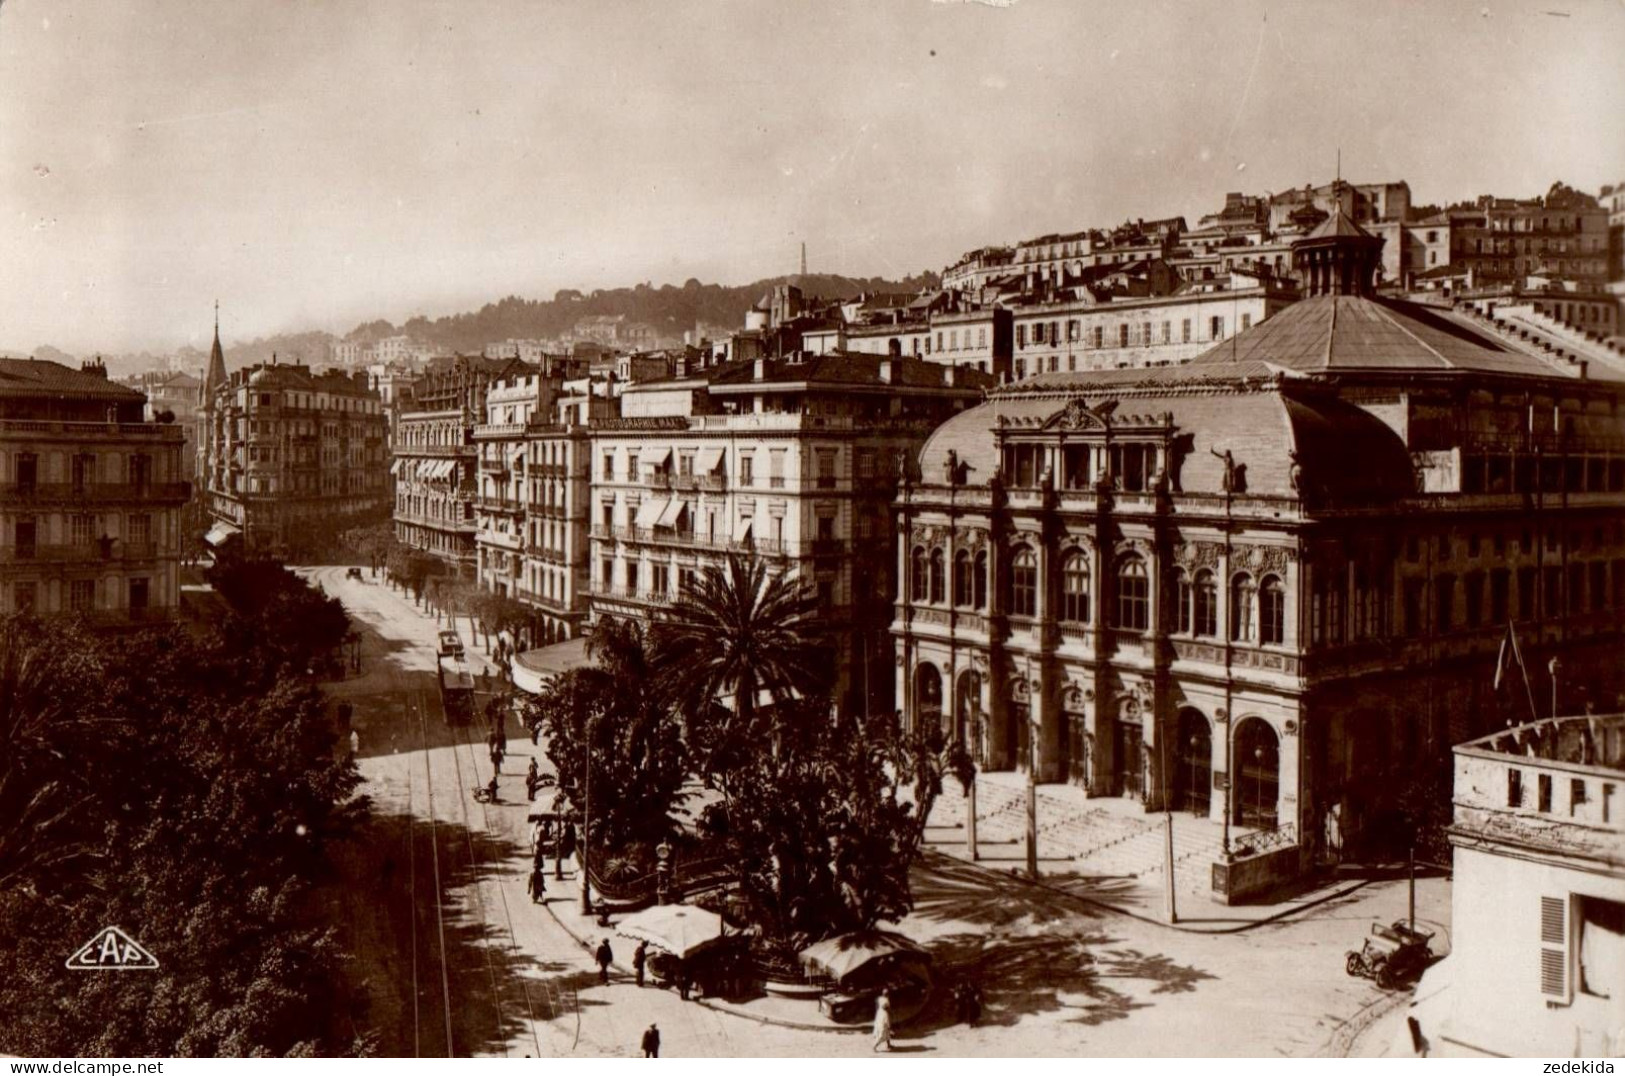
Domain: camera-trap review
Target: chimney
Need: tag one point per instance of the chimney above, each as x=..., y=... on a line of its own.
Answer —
x=885, y=371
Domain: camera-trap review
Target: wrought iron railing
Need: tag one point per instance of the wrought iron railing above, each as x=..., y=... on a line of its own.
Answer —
x=1265, y=840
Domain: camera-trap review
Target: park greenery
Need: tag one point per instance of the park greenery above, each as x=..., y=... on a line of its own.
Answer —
x=821, y=816
x=180, y=786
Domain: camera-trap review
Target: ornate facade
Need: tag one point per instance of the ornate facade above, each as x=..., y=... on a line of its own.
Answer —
x=1273, y=581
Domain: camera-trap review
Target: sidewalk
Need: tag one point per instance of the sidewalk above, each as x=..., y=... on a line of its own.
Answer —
x=1110, y=852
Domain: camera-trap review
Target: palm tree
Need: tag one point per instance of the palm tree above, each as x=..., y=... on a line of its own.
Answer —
x=734, y=633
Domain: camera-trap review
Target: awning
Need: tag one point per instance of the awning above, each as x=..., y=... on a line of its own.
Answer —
x=658, y=457
x=516, y=455
x=534, y=668
x=672, y=513
x=220, y=533
x=709, y=460
x=443, y=468
x=648, y=512
x=395, y=465
x=741, y=533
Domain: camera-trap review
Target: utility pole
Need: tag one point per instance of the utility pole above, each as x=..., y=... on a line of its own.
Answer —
x=1032, y=781
x=586, y=820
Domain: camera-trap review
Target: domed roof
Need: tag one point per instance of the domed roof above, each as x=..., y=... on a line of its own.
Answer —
x=1284, y=438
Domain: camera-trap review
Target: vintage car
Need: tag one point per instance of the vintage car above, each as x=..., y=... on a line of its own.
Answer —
x=354, y=573
x=1392, y=955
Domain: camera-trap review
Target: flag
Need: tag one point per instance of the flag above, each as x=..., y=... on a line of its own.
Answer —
x=1501, y=657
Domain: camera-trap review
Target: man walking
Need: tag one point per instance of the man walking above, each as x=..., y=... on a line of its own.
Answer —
x=640, y=958
x=651, y=1042
x=604, y=957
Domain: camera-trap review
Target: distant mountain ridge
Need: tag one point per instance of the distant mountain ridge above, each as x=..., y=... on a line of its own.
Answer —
x=670, y=310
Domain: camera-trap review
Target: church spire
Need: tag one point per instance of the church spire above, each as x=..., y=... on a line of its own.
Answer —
x=216, y=375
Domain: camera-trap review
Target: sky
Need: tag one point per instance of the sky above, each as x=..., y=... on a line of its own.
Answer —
x=313, y=165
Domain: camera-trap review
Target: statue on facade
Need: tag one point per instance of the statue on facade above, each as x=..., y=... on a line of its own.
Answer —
x=1233, y=480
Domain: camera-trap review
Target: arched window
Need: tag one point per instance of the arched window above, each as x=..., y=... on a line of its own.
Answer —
x=937, y=584
x=1024, y=583
x=1243, y=593
x=1205, y=603
x=1075, y=588
x=979, y=582
x=1272, y=611
x=917, y=578
x=964, y=589
x=1133, y=595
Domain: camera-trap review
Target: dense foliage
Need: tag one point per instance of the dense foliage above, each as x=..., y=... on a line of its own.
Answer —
x=825, y=829
x=265, y=598
x=181, y=790
x=639, y=764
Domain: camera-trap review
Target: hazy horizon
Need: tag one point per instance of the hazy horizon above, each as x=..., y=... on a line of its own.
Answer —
x=316, y=166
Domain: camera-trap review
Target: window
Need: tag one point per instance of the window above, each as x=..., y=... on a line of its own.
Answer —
x=609, y=466
x=27, y=472
x=82, y=595
x=686, y=580
x=917, y=575
x=937, y=583
x=1514, y=788
x=631, y=466
x=82, y=529
x=1444, y=603
x=606, y=573
x=1216, y=328
x=1021, y=336
x=26, y=594
x=84, y=471
x=866, y=463
x=1205, y=605
x=685, y=464
x=1272, y=611
x=1600, y=926
x=1185, y=331
x=1577, y=794
x=1246, y=322
x=1243, y=594
x=1473, y=592
x=1075, y=589
x=964, y=586
x=1024, y=583
x=1100, y=336
x=979, y=582
x=1122, y=336
x=826, y=468
x=661, y=583
x=1543, y=792
x=631, y=577
x=775, y=468
x=138, y=529
x=1133, y=595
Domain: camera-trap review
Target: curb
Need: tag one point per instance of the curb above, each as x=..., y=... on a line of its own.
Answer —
x=1116, y=909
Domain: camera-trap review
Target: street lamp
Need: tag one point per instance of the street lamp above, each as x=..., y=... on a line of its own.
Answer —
x=586, y=816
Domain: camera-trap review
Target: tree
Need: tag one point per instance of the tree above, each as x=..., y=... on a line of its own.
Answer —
x=639, y=764
x=266, y=598
x=204, y=791
x=821, y=832
x=735, y=634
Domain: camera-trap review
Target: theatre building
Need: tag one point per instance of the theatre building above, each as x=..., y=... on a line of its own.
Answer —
x=1271, y=583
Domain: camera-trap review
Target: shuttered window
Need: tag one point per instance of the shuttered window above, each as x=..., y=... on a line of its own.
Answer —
x=1554, y=949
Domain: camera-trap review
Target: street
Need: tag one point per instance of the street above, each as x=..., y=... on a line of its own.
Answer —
x=433, y=893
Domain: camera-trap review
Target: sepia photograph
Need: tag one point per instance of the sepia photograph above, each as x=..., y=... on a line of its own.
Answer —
x=811, y=529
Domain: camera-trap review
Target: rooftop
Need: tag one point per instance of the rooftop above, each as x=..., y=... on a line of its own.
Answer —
x=21, y=378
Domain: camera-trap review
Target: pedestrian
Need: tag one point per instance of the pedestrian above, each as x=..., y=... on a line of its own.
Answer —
x=651, y=1042
x=569, y=848
x=558, y=854
x=355, y=742
x=882, y=1023
x=604, y=956
x=640, y=957
x=539, y=857
x=533, y=777
x=538, y=885
x=682, y=979
x=538, y=833
x=491, y=790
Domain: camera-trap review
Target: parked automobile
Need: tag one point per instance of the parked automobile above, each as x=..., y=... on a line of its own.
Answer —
x=1392, y=955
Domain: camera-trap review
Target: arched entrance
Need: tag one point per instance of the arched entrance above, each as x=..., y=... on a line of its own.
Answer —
x=967, y=703
x=1193, y=773
x=1018, y=726
x=927, y=696
x=1127, y=738
x=1258, y=774
x=1073, y=738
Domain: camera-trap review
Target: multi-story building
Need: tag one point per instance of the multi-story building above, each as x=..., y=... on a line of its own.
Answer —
x=1563, y=234
x=1108, y=332
x=1537, y=920
x=291, y=457
x=1174, y=584
x=90, y=497
x=533, y=496
x=435, y=460
x=794, y=460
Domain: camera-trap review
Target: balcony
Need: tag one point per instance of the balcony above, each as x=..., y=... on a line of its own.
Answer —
x=510, y=505
x=710, y=483
x=94, y=492
x=493, y=466
x=57, y=554
x=77, y=431
x=625, y=595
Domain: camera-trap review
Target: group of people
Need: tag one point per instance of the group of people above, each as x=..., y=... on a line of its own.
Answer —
x=563, y=840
